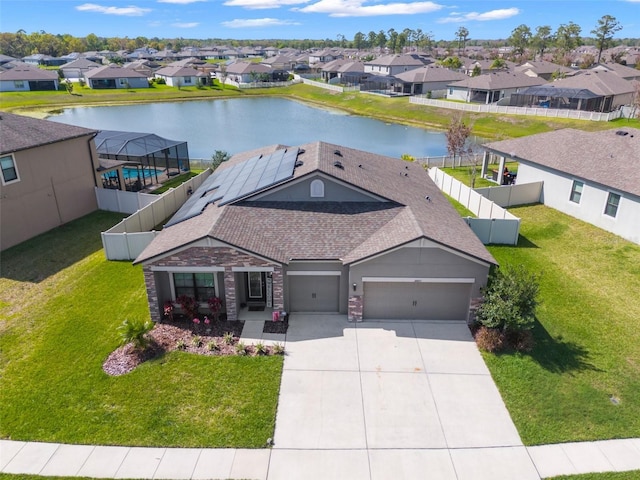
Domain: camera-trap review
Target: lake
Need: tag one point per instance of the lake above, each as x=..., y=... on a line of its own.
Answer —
x=239, y=124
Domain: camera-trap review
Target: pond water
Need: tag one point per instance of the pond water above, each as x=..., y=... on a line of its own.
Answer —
x=240, y=124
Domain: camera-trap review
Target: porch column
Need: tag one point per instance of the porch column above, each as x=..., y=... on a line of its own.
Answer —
x=355, y=308
x=277, y=279
x=485, y=164
x=230, y=294
x=152, y=294
x=501, y=170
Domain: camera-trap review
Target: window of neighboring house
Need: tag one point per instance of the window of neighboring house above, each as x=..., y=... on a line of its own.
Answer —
x=200, y=286
x=317, y=188
x=451, y=91
x=187, y=79
x=18, y=84
x=613, y=200
x=9, y=170
x=576, y=191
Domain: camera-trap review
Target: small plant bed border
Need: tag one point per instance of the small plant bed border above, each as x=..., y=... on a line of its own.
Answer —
x=219, y=338
x=280, y=326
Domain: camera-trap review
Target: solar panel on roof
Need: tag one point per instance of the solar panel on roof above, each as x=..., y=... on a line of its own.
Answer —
x=238, y=181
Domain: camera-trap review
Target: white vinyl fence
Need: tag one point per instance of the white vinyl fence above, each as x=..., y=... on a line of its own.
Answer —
x=533, y=111
x=448, y=161
x=494, y=224
x=512, y=195
x=122, y=201
x=127, y=239
x=328, y=86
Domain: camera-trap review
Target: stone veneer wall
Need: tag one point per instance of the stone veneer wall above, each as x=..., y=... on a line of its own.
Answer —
x=355, y=308
x=226, y=257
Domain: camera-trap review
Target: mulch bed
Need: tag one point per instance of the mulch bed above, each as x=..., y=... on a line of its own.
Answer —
x=276, y=327
x=181, y=334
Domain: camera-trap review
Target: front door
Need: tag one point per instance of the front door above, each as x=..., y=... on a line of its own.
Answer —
x=256, y=287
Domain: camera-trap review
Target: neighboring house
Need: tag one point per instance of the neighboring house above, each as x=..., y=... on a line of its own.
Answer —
x=324, y=56
x=592, y=176
x=75, y=70
x=182, y=76
x=247, y=72
x=280, y=62
x=5, y=59
x=25, y=78
x=491, y=87
x=622, y=71
x=394, y=64
x=113, y=76
x=336, y=69
x=544, y=69
x=145, y=67
x=47, y=176
x=319, y=228
x=41, y=59
x=427, y=79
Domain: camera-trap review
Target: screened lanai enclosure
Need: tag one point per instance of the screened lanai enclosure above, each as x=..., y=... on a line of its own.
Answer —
x=547, y=96
x=133, y=161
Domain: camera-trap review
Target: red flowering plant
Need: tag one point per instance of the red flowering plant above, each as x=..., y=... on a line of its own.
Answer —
x=189, y=305
x=168, y=310
x=215, y=305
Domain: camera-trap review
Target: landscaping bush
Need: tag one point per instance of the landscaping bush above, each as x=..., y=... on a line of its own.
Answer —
x=510, y=300
x=135, y=331
x=490, y=339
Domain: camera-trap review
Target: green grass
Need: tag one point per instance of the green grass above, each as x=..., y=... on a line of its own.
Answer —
x=588, y=333
x=631, y=475
x=175, y=181
x=62, y=302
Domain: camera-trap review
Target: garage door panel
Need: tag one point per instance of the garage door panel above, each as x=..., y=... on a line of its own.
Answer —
x=314, y=293
x=416, y=300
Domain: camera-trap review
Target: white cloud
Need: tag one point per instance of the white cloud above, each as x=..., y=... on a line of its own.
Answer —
x=257, y=23
x=262, y=4
x=130, y=11
x=499, y=14
x=181, y=2
x=357, y=8
x=185, y=24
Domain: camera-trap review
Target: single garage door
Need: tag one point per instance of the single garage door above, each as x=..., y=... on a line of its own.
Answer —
x=314, y=293
x=416, y=300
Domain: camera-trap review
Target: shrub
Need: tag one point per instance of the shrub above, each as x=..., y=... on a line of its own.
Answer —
x=241, y=348
x=135, y=331
x=189, y=306
x=228, y=338
x=490, y=339
x=196, y=341
x=261, y=348
x=213, y=346
x=161, y=81
x=181, y=345
x=168, y=310
x=278, y=349
x=510, y=300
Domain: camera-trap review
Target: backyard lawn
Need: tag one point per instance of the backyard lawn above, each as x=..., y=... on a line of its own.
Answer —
x=61, y=304
x=582, y=380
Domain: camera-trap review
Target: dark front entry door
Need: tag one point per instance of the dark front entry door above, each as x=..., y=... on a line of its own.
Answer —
x=256, y=287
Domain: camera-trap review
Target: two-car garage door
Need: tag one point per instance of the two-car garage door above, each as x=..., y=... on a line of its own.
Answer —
x=416, y=300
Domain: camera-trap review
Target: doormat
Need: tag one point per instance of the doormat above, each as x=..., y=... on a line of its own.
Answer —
x=256, y=308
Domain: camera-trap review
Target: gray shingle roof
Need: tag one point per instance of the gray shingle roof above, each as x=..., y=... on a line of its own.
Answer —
x=19, y=133
x=430, y=74
x=499, y=81
x=602, y=82
x=28, y=73
x=602, y=157
x=113, y=71
x=348, y=231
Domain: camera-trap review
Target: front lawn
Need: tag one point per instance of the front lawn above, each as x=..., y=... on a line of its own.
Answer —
x=582, y=380
x=61, y=304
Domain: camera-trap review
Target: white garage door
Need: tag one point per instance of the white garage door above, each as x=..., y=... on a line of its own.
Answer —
x=416, y=300
x=317, y=293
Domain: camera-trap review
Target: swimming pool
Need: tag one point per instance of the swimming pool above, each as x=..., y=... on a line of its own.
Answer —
x=133, y=173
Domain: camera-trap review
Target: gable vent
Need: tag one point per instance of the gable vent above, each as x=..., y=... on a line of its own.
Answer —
x=338, y=164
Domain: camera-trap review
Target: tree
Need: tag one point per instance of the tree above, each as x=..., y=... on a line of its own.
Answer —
x=218, y=157
x=497, y=64
x=635, y=111
x=372, y=38
x=223, y=75
x=359, y=40
x=476, y=71
x=392, y=40
x=510, y=300
x=68, y=84
x=135, y=331
x=462, y=35
x=457, y=134
x=606, y=28
x=381, y=39
x=520, y=39
x=451, y=62
x=567, y=38
x=541, y=40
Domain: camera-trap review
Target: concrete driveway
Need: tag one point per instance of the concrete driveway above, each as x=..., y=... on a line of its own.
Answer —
x=390, y=395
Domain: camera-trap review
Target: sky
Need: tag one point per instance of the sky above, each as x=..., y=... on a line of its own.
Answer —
x=312, y=19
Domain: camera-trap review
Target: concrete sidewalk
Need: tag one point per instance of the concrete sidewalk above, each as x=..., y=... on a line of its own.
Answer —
x=52, y=459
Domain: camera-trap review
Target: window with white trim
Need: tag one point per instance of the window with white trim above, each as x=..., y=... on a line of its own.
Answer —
x=317, y=188
x=576, y=191
x=18, y=84
x=200, y=286
x=611, y=208
x=187, y=80
x=9, y=170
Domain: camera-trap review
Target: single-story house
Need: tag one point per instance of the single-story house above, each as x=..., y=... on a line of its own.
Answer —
x=113, y=76
x=491, y=87
x=343, y=67
x=324, y=56
x=428, y=78
x=394, y=64
x=592, y=176
x=182, y=76
x=25, y=78
x=247, y=72
x=319, y=228
x=75, y=70
x=622, y=71
x=593, y=91
x=47, y=176
x=544, y=69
